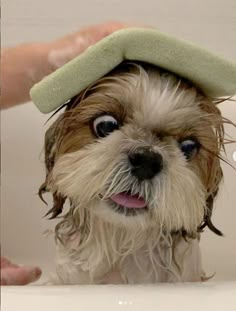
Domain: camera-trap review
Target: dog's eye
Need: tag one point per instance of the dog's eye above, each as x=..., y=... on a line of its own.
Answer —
x=104, y=125
x=189, y=147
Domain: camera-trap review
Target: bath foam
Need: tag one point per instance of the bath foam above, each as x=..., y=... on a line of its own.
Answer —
x=214, y=75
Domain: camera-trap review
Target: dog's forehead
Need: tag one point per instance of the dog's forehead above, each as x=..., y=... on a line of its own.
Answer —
x=147, y=98
x=166, y=108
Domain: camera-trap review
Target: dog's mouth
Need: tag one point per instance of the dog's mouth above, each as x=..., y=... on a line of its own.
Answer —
x=129, y=201
x=128, y=204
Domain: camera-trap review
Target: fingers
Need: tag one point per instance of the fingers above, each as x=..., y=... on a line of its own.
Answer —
x=55, y=54
x=19, y=275
x=100, y=31
x=103, y=30
x=65, y=49
x=97, y=31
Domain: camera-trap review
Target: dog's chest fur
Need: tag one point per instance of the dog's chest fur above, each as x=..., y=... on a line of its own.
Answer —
x=170, y=260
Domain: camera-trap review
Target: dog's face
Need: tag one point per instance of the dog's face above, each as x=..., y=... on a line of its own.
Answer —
x=138, y=149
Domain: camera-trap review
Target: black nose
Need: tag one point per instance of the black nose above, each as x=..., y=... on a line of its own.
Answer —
x=145, y=164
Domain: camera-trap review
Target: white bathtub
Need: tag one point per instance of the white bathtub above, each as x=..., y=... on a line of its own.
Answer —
x=210, y=297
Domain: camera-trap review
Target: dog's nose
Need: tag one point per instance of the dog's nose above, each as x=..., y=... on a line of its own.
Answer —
x=145, y=164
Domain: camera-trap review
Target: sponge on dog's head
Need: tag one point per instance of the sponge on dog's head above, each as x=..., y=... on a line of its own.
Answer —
x=215, y=76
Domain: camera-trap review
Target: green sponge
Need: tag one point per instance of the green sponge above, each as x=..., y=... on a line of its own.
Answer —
x=214, y=75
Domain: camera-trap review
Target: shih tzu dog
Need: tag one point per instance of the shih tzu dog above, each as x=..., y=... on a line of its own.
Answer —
x=137, y=156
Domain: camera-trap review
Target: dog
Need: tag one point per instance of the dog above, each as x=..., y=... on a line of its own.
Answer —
x=137, y=156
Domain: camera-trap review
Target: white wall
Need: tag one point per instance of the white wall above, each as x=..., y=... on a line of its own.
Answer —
x=210, y=23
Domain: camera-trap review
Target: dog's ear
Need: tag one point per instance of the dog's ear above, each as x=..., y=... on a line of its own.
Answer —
x=50, y=152
x=207, y=222
x=214, y=176
x=214, y=139
x=214, y=171
x=213, y=181
x=51, y=147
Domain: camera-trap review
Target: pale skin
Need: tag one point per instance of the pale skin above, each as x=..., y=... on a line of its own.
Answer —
x=26, y=64
x=21, y=67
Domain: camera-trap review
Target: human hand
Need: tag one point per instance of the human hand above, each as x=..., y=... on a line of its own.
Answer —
x=68, y=47
x=27, y=64
x=12, y=274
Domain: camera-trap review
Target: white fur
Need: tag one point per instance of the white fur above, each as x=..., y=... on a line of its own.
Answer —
x=100, y=263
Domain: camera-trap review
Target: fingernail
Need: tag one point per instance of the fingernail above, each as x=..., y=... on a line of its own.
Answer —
x=38, y=272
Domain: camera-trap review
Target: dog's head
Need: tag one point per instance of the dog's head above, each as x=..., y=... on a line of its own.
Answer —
x=140, y=148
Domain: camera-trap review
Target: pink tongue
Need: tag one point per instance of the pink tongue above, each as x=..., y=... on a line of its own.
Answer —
x=130, y=201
